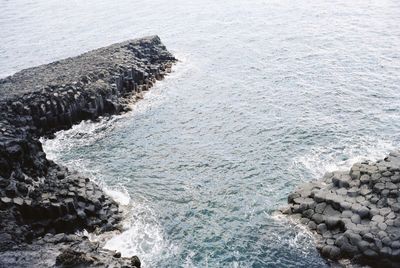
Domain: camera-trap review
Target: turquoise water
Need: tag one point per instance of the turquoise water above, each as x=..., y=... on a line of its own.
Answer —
x=267, y=94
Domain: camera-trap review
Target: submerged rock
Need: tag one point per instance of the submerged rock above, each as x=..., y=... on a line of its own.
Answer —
x=354, y=214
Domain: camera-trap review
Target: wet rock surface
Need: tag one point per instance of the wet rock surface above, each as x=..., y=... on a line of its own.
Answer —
x=354, y=214
x=38, y=197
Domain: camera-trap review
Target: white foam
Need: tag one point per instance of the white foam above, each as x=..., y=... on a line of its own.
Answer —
x=144, y=236
x=320, y=160
x=121, y=196
x=303, y=240
x=157, y=94
x=189, y=260
x=84, y=133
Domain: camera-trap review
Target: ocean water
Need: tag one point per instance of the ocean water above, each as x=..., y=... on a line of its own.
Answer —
x=267, y=94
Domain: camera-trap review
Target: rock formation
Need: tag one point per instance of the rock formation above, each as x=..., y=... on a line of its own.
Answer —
x=37, y=196
x=354, y=214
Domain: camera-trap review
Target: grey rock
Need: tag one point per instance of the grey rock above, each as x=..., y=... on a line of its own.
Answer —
x=332, y=222
x=355, y=174
x=387, y=174
x=378, y=243
x=395, y=253
x=319, y=197
x=348, y=249
x=391, y=215
x=361, y=200
x=341, y=240
x=395, y=245
x=308, y=202
x=391, y=186
x=308, y=213
x=345, y=205
x=395, y=178
x=365, y=191
x=6, y=200
x=382, y=234
x=321, y=228
x=354, y=238
x=370, y=253
x=286, y=210
x=384, y=211
x=331, y=212
x=312, y=225
x=362, y=211
x=382, y=226
x=347, y=214
x=375, y=176
x=320, y=207
x=363, y=245
x=331, y=252
x=293, y=196
x=379, y=187
x=317, y=218
x=330, y=242
x=353, y=192
x=304, y=221
x=386, y=251
x=365, y=179
x=386, y=241
x=341, y=191
x=356, y=219
x=378, y=218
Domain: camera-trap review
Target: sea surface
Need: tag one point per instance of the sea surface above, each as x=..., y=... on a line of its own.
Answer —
x=267, y=94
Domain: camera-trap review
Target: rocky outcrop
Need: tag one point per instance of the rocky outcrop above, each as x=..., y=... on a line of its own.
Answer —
x=38, y=196
x=354, y=214
x=64, y=250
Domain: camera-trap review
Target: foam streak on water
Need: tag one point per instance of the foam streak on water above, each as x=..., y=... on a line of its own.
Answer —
x=267, y=95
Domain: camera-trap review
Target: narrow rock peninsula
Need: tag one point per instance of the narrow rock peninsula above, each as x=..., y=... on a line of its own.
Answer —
x=355, y=214
x=43, y=204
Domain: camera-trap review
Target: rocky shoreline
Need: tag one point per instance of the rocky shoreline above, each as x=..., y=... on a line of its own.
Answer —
x=355, y=214
x=43, y=204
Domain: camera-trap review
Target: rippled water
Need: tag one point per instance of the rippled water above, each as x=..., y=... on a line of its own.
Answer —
x=267, y=94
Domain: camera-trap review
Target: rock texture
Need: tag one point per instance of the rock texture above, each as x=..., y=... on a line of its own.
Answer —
x=354, y=214
x=38, y=196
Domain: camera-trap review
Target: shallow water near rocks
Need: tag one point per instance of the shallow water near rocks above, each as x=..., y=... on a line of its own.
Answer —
x=266, y=96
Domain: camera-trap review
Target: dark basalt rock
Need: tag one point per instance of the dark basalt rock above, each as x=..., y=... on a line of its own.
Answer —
x=355, y=213
x=72, y=258
x=37, y=196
